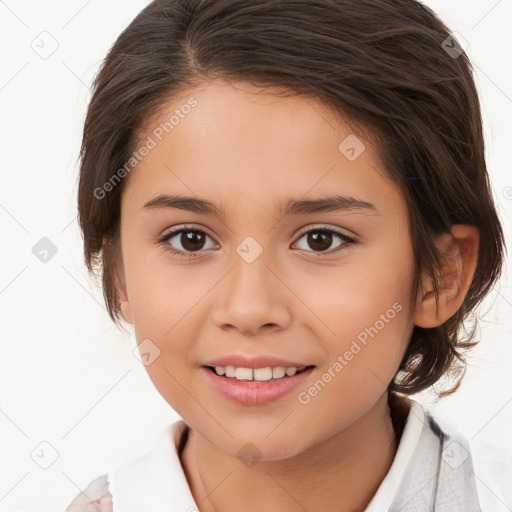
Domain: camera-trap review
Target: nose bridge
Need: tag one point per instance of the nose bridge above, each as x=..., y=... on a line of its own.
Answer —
x=251, y=295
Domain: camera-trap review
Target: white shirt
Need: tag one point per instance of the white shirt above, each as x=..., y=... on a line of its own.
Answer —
x=434, y=469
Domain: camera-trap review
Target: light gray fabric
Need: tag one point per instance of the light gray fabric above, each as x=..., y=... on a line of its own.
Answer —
x=439, y=476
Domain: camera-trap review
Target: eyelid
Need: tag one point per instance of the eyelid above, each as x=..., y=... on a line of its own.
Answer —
x=184, y=227
x=323, y=227
x=307, y=229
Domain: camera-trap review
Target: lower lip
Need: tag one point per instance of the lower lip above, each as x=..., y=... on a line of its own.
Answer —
x=247, y=392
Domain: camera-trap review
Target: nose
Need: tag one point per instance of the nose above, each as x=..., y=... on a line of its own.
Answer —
x=252, y=297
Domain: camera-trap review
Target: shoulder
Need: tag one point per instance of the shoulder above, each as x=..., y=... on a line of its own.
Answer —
x=488, y=466
x=96, y=497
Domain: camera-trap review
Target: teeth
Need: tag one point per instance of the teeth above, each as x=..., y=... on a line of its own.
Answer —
x=262, y=373
x=278, y=372
x=230, y=371
x=259, y=374
x=243, y=374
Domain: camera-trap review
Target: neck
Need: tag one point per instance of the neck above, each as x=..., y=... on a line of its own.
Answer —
x=342, y=473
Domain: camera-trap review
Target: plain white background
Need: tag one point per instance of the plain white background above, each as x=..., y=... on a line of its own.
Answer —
x=67, y=376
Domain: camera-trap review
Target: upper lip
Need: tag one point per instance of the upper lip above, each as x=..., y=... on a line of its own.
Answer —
x=261, y=361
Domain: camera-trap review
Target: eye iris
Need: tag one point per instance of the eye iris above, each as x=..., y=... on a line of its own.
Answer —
x=317, y=240
x=192, y=237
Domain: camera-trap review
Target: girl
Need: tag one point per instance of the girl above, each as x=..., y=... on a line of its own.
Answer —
x=289, y=202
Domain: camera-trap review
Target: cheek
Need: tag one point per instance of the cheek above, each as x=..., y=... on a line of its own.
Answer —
x=366, y=334
x=161, y=290
x=362, y=310
x=162, y=302
x=162, y=299
x=368, y=322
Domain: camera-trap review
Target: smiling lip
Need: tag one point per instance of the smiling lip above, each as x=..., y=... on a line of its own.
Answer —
x=255, y=392
x=263, y=361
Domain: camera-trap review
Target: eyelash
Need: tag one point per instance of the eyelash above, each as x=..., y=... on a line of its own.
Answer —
x=193, y=254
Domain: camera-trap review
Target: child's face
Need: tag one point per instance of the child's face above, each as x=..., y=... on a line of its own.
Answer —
x=249, y=154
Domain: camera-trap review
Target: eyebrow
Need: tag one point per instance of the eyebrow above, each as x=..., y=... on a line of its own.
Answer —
x=290, y=207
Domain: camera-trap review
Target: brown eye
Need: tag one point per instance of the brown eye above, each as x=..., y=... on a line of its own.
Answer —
x=321, y=240
x=192, y=240
x=185, y=241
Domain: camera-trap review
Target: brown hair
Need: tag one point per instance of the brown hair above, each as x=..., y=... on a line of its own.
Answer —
x=391, y=67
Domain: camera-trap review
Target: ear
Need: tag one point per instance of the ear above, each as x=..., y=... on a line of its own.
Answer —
x=111, y=251
x=122, y=294
x=459, y=256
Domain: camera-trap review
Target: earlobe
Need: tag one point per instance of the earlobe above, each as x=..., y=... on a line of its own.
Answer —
x=459, y=253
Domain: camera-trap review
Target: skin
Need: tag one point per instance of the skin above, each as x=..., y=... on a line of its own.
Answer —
x=239, y=142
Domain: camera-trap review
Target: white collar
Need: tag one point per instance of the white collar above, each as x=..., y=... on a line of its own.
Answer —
x=154, y=480
x=409, y=439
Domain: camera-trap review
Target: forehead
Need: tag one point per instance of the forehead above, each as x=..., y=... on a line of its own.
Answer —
x=223, y=140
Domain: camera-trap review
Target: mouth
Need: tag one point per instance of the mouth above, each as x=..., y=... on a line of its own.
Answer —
x=254, y=386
